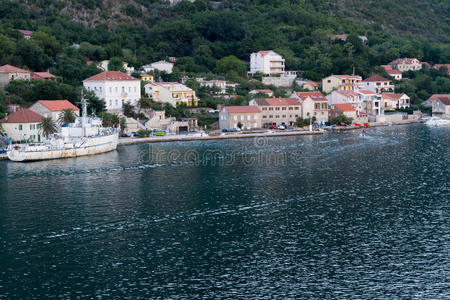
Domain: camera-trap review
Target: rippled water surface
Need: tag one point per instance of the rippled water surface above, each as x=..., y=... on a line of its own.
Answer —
x=333, y=216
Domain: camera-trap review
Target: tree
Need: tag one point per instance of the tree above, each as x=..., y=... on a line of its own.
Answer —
x=95, y=105
x=341, y=119
x=115, y=64
x=110, y=120
x=239, y=125
x=230, y=64
x=66, y=116
x=123, y=124
x=47, y=127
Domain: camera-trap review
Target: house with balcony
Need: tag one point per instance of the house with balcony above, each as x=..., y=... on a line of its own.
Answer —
x=278, y=111
x=248, y=117
x=314, y=104
x=171, y=92
x=114, y=88
x=378, y=84
x=266, y=62
x=9, y=73
x=341, y=83
x=372, y=103
x=406, y=64
x=394, y=101
x=348, y=97
x=147, y=78
x=162, y=66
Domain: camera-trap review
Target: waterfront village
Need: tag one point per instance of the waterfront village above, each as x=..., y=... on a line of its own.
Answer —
x=286, y=101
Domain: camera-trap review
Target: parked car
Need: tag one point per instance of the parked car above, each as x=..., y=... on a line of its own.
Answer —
x=2, y=150
x=282, y=127
x=134, y=133
x=273, y=127
x=225, y=130
x=125, y=135
x=236, y=129
x=160, y=133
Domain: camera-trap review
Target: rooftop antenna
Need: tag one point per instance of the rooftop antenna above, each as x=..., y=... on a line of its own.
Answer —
x=353, y=70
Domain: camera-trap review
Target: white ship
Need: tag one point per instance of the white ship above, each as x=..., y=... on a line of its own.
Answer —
x=86, y=136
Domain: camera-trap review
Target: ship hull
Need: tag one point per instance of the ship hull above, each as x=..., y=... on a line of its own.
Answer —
x=92, y=146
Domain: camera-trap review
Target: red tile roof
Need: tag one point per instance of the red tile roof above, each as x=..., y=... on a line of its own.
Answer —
x=375, y=78
x=366, y=92
x=26, y=32
x=438, y=66
x=39, y=75
x=24, y=115
x=349, y=77
x=12, y=69
x=242, y=109
x=345, y=107
x=277, y=101
x=58, y=105
x=348, y=93
x=392, y=96
x=386, y=67
x=445, y=100
x=110, y=75
x=393, y=72
x=315, y=96
x=264, y=52
x=402, y=60
x=313, y=83
x=435, y=96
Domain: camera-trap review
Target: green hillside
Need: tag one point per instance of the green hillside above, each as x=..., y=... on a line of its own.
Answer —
x=200, y=34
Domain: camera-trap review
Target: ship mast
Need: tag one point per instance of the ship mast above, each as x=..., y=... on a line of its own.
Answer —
x=84, y=110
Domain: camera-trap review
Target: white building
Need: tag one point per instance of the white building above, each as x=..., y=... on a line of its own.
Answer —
x=441, y=107
x=246, y=117
x=372, y=103
x=406, y=64
x=267, y=62
x=103, y=65
x=378, y=84
x=221, y=85
x=171, y=92
x=115, y=88
x=161, y=65
x=53, y=108
x=346, y=97
x=394, y=101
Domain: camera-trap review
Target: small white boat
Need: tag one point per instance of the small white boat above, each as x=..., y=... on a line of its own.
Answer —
x=435, y=121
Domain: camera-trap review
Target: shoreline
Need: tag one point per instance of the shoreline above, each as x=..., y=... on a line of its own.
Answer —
x=187, y=138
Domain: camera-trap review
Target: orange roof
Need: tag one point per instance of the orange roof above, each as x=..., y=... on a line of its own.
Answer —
x=393, y=72
x=12, y=69
x=435, y=96
x=37, y=75
x=109, y=76
x=444, y=100
x=58, y=105
x=349, y=77
x=345, y=107
x=348, y=93
x=392, y=96
x=277, y=101
x=23, y=115
x=264, y=52
x=313, y=83
x=366, y=92
x=375, y=78
x=315, y=96
x=242, y=109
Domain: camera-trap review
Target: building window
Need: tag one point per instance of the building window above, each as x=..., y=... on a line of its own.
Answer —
x=283, y=108
x=235, y=118
x=242, y=118
x=255, y=117
x=110, y=89
x=248, y=117
x=116, y=89
x=117, y=102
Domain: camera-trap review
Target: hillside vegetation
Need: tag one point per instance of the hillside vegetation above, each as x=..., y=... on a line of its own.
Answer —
x=200, y=34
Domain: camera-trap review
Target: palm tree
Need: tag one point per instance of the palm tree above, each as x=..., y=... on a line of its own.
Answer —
x=66, y=116
x=47, y=127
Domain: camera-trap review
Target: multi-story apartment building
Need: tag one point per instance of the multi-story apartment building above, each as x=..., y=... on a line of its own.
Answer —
x=346, y=97
x=267, y=62
x=372, y=103
x=394, y=101
x=278, y=111
x=171, y=92
x=247, y=117
x=341, y=82
x=377, y=84
x=114, y=88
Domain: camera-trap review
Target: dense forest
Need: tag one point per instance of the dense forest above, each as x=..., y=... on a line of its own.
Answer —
x=217, y=37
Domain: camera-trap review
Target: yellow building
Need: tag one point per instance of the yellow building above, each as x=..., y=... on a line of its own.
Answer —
x=171, y=92
x=147, y=78
x=341, y=83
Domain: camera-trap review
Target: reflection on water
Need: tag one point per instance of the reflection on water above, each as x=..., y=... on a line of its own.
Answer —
x=340, y=215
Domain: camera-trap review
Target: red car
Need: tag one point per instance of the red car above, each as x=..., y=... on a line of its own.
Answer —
x=273, y=127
